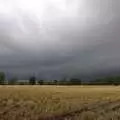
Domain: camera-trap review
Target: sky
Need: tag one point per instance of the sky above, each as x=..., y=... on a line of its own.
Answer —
x=56, y=38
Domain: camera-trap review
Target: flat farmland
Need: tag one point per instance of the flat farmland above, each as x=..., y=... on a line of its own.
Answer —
x=59, y=102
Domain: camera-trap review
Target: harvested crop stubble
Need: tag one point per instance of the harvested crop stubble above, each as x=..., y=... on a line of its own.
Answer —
x=59, y=102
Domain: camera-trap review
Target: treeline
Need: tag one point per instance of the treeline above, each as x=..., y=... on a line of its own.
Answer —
x=72, y=81
x=34, y=81
x=115, y=80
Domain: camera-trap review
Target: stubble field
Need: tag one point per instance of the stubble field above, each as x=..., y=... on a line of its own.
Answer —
x=59, y=103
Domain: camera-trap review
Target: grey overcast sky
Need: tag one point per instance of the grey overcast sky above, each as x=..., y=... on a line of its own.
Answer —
x=59, y=37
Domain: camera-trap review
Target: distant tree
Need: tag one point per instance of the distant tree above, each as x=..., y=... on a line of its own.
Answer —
x=55, y=82
x=117, y=80
x=32, y=80
x=75, y=81
x=2, y=78
x=13, y=81
x=41, y=82
x=63, y=81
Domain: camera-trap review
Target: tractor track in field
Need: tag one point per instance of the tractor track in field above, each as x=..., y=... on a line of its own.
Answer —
x=96, y=107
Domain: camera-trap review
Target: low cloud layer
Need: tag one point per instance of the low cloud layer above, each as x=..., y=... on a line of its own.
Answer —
x=56, y=38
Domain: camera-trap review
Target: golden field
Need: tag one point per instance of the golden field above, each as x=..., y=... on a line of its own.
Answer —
x=59, y=103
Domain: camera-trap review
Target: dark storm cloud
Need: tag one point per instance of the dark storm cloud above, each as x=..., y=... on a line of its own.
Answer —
x=59, y=37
